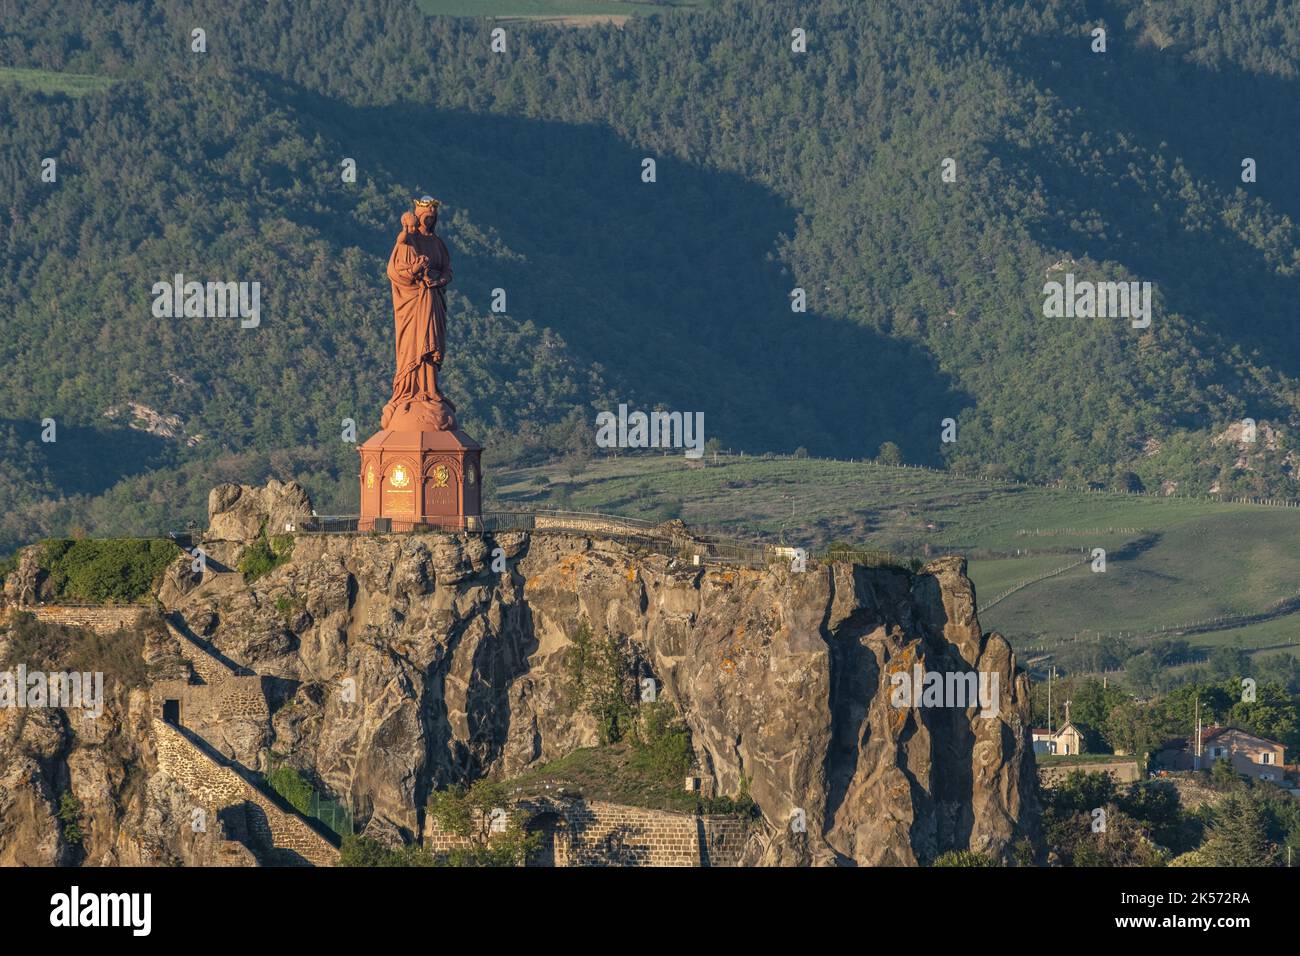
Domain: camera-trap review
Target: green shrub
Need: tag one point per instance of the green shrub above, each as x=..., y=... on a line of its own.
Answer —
x=263, y=556
x=661, y=742
x=287, y=605
x=741, y=806
x=363, y=851
x=962, y=858
x=70, y=816
x=290, y=784
x=600, y=676
x=468, y=813
x=111, y=570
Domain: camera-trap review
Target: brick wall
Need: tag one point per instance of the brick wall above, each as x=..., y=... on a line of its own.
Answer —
x=724, y=839
x=596, y=833
x=215, y=787
x=100, y=618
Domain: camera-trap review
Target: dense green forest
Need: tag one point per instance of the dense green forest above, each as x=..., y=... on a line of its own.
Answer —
x=775, y=169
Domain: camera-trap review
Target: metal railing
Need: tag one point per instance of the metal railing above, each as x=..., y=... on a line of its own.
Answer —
x=695, y=548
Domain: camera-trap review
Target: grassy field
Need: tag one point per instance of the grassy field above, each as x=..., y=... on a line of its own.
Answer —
x=1170, y=561
x=544, y=8
x=608, y=773
x=45, y=81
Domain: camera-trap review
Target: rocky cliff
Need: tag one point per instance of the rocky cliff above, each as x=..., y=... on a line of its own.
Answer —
x=398, y=664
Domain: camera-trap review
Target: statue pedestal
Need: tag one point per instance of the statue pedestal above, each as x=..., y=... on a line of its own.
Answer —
x=418, y=478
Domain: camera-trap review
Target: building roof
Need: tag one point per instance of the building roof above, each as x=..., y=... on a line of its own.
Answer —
x=1210, y=733
x=1044, y=732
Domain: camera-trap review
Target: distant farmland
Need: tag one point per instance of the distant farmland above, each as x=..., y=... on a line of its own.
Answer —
x=1171, y=562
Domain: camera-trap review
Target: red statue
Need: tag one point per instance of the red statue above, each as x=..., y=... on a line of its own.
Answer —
x=419, y=270
x=420, y=471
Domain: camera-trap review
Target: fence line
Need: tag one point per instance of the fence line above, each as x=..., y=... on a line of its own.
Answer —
x=1059, y=484
x=1024, y=584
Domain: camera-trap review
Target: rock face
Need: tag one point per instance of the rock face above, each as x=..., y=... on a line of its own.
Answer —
x=128, y=813
x=397, y=664
x=23, y=585
x=240, y=512
x=454, y=671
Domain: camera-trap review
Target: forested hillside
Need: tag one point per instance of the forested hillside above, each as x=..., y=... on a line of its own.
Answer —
x=775, y=170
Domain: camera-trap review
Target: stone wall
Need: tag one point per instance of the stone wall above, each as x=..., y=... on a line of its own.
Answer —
x=573, y=524
x=597, y=833
x=724, y=839
x=103, y=618
x=210, y=669
x=1123, y=771
x=217, y=787
x=235, y=698
x=226, y=708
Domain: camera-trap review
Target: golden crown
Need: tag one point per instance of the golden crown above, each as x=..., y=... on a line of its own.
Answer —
x=427, y=202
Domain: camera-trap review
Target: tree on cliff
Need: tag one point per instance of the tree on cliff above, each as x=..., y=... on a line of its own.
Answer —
x=600, y=676
x=484, y=817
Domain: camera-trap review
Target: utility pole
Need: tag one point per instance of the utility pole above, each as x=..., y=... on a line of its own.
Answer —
x=1197, y=761
x=1050, y=674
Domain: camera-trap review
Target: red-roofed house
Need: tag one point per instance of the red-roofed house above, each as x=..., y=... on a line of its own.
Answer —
x=1251, y=755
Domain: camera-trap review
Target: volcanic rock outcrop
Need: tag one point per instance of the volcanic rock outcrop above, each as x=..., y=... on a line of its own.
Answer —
x=399, y=664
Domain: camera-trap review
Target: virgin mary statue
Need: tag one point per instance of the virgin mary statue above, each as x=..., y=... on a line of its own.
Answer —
x=419, y=269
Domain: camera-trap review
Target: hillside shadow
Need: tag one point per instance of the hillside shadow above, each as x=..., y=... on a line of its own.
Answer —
x=673, y=288
x=1207, y=119
x=90, y=460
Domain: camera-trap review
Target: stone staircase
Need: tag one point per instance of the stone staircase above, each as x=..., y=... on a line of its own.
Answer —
x=211, y=666
x=218, y=784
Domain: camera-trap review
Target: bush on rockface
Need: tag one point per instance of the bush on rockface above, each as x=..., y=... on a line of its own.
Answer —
x=70, y=816
x=264, y=555
x=364, y=851
x=290, y=784
x=963, y=858
x=111, y=570
x=661, y=742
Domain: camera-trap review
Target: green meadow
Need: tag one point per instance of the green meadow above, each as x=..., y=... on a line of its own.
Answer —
x=47, y=81
x=1170, y=562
